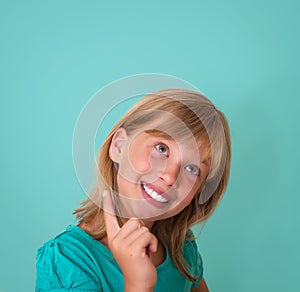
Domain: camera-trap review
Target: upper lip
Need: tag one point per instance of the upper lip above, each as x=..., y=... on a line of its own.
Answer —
x=158, y=190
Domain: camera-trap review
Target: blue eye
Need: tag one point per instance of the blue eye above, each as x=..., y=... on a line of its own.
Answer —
x=163, y=149
x=193, y=169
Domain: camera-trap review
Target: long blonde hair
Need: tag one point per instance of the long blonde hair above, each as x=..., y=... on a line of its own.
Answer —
x=208, y=126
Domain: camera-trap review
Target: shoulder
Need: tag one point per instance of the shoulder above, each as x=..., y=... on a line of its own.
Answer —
x=62, y=263
x=62, y=247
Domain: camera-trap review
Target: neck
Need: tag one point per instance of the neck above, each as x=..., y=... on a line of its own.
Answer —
x=148, y=224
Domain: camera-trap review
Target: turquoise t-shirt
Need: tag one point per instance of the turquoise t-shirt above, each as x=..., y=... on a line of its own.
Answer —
x=75, y=261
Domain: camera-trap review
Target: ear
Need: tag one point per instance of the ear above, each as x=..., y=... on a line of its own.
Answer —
x=117, y=145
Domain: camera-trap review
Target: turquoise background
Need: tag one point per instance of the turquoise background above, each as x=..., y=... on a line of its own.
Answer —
x=244, y=55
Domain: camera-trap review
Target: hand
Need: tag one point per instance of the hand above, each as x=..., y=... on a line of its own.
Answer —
x=131, y=246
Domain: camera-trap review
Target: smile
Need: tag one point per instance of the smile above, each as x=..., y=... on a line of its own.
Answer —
x=154, y=195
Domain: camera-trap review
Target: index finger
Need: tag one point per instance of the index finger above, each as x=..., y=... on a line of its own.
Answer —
x=111, y=222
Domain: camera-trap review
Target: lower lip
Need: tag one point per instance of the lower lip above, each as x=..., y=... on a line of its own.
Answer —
x=151, y=201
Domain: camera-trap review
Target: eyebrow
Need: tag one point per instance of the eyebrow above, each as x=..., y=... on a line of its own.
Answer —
x=160, y=134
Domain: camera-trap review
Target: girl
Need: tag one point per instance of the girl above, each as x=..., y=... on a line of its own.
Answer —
x=162, y=169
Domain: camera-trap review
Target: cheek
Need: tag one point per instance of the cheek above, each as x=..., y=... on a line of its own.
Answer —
x=188, y=190
x=188, y=197
x=139, y=160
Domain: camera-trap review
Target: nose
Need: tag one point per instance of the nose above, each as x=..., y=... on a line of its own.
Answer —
x=170, y=173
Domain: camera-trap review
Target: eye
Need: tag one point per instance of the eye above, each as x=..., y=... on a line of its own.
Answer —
x=193, y=169
x=163, y=149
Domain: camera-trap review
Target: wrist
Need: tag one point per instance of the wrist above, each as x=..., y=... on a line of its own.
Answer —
x=138, y=287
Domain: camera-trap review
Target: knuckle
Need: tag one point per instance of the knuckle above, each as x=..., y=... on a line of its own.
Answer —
x=114, y=244
x=144, y=229
x=147, y=236
x=133, y=222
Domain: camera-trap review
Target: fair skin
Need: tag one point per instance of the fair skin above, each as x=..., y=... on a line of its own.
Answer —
x=133, y=246
x=149, y=163
x=157, y=178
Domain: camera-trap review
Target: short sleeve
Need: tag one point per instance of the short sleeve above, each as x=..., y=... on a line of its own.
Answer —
x=58, y=268
x=194, y=261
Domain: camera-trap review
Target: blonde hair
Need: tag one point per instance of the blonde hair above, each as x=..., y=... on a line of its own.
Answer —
x=207, y=125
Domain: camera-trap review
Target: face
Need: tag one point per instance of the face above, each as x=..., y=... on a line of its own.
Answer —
x=157, y=177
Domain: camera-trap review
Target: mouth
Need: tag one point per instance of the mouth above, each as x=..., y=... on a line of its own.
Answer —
x=153, y=195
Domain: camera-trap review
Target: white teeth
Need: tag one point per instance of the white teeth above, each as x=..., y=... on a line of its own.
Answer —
x=154, y=195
